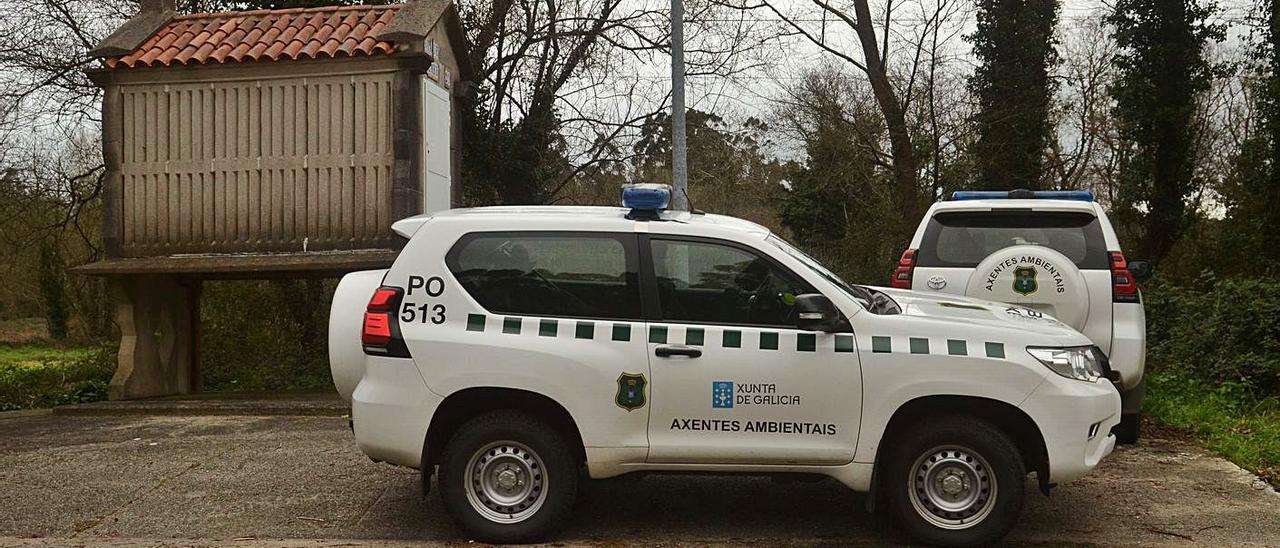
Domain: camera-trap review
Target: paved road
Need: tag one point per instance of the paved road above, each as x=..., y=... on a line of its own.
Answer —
x=144, y=479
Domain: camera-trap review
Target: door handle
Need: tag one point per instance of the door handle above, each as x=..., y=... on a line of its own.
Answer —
x=669, y=351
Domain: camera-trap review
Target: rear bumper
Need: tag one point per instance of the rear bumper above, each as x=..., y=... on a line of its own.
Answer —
x=346, y=355
x=1067, y=412
x=391, y=409
x=1128, y=354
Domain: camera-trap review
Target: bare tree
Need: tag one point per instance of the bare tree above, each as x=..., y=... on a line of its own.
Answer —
x=1078, y=158
x=870, y=54
x=940, y=100
x=564, y=84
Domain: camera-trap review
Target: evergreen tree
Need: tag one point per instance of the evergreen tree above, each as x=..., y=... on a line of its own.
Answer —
x=729, y=171
x=840, y=204
x=1016, y=50
x=1250, y=192
x=53, y=292
x=1162, y=71
x=1265, y=195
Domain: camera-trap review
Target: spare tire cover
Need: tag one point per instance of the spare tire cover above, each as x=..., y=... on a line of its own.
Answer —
x=1036, y=277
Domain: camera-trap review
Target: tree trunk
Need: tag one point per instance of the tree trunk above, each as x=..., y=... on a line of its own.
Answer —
x=901, y=148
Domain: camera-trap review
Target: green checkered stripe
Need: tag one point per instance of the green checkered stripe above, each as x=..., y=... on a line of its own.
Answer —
x=658, y=334
x=581, y=329
x=884, y=344
x=750, y=340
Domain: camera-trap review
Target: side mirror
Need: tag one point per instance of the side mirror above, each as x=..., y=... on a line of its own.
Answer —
x=1141, y=270
x=815, y=312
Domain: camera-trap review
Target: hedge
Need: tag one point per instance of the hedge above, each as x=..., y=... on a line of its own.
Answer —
x=1225, y=332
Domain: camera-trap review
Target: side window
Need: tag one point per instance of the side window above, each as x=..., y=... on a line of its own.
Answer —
x=539, y=274
x=719, y=284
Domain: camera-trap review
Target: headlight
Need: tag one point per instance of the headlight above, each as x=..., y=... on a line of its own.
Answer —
x=1080, y=362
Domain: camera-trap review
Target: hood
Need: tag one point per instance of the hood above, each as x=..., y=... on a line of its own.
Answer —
x=974, y=312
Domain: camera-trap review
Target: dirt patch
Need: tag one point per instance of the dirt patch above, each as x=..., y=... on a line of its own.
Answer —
x=23, y=331
x=1152, y=429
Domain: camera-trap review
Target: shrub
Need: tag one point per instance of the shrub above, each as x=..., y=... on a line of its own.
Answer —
x=1221, y=331
x=278, y=343
x=75, y=377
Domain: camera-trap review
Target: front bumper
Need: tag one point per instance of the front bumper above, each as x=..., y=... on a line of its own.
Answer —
x=391, y=409
x=1075, y=419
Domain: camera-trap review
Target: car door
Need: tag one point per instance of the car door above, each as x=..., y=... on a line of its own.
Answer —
x=556, y=313
x=734, y=382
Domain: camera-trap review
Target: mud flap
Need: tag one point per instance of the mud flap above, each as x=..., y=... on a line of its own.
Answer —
x=1131, y=400
x=427, y=473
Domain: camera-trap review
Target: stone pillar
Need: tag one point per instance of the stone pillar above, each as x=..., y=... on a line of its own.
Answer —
x=158, y=317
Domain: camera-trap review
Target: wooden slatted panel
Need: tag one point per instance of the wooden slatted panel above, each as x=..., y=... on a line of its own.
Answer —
x=257, y=166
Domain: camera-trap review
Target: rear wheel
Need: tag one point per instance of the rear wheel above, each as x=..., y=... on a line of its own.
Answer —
x=1129, y=429
x=955, y=481
x=507, y=477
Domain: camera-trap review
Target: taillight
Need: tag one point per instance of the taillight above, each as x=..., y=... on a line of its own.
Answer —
x=377, y=329
x=381, y=332
x=1123, y=287
x=384, y=299
x=902, y=276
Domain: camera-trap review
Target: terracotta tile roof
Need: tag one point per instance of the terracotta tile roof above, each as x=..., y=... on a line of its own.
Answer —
x=265, y=35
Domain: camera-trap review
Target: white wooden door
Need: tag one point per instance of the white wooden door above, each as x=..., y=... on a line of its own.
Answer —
x=437, y=196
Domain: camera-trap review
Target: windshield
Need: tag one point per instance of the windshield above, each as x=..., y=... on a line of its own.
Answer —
x=861, y=294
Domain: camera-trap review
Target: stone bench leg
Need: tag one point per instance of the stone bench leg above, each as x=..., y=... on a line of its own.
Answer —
x=158, y=317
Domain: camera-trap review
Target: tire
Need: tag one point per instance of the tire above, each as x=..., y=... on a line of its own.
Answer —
x=506, y=477
x=955, y=447
x=1129, y=429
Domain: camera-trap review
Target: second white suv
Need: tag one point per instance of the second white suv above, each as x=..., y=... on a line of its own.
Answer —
x=1054, y=252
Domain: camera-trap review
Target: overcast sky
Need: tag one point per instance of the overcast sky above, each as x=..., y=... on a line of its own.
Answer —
x=753, y=92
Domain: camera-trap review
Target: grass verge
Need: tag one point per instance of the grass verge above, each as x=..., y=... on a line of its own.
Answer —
x=1243, y=428
x=35, y=376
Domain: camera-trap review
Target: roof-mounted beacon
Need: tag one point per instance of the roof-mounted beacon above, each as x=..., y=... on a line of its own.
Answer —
x=646, y=200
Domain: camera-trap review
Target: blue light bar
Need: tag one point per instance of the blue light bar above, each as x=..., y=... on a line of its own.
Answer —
x=645, y=200
x=964, y=195
x=1074, y=195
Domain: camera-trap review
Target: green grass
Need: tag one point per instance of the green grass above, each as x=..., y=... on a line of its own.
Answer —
x=37, y=355
x=1241, y=427
x=35, y=376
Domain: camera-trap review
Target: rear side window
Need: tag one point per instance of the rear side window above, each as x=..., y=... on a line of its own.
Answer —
x=571, y=275
x=962, y=239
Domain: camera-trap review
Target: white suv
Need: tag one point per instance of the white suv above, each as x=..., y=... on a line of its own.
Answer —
x=1050, y=251
x=517, y=349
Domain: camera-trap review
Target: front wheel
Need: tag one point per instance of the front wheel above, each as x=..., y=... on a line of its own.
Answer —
x=506, y=477
x=955, y=482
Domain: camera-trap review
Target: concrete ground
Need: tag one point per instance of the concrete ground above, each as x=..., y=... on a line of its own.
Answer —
x=89, y=478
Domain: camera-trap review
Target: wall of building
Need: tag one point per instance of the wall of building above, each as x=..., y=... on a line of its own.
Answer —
x=255, y=161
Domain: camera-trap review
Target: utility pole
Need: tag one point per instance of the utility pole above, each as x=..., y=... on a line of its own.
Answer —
x=679, y=158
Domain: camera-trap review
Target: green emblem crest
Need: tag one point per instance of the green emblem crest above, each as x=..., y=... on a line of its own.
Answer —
x=630, y=391
x=1024, y=280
